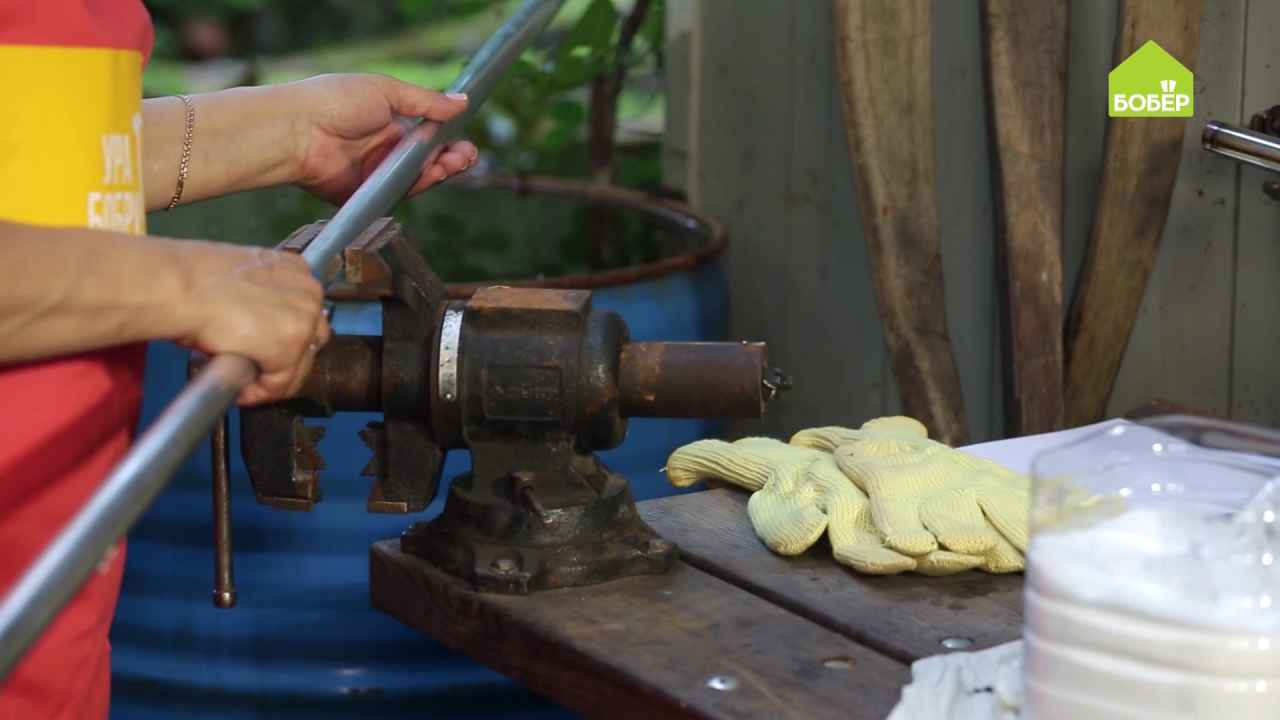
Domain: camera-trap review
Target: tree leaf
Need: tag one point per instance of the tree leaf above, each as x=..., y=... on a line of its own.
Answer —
x=556, y=139
x=568, y=113
x=654, y=29
x=594, y=30
x=572, y=71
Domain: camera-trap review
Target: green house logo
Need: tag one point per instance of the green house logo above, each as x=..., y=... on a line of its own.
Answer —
x=1150, y=83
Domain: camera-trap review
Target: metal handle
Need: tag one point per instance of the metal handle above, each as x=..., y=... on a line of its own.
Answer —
x=57, y=574
x=224, y=583
x=1247, y=146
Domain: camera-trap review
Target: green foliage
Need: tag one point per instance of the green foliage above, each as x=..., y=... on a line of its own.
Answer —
x=584, y=53
x=542, y=103
x=432, y=10
x=259, y=27
x=653, y=31
x=220, y=9
x=536, y=122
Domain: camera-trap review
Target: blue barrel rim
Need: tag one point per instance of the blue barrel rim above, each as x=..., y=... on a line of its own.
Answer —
x=715, y=239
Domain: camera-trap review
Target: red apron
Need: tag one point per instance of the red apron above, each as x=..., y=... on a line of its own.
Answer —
x=70, y=155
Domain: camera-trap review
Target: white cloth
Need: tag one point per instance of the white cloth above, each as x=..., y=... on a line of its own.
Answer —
x=1017, y=454
x=983, y=685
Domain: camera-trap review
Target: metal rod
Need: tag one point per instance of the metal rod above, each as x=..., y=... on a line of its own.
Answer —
x=693, y=379
x=1247, y=146
x=224, y=581
x=57, y=574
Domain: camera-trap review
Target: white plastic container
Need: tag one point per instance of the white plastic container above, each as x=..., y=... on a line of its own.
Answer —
x=1153, y=581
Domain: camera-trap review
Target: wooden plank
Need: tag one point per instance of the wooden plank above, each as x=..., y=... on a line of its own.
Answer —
x=771, y=163
x=1160, y=406
x=1140, y=166
x=1092, y=45
x=807, y=237
x=1181, y=343
x=884, y=65
x=1026, y=62
x=851, y=380
x=905, y=617
x=645, y=647
x=1255, y=390
x=965, y=214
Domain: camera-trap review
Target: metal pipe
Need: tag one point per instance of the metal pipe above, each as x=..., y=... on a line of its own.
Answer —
x=1247, y=146
x=347, y=374
x=693, y=379
x=57, y=574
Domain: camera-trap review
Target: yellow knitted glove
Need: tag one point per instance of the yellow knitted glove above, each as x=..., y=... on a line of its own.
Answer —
x=745, y=463
x=924, y=494
x=831, y=437
x=800, y=502
x=798, y=494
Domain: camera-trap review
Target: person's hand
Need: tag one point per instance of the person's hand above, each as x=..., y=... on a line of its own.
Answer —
x=346, y=124
x=258, y=303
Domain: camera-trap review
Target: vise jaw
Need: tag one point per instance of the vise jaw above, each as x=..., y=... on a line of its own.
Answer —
x=359, y=373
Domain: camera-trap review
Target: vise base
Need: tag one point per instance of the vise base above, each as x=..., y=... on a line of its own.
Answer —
x=521, y=547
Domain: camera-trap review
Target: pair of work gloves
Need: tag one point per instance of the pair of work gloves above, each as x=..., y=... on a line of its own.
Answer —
x=889, y=499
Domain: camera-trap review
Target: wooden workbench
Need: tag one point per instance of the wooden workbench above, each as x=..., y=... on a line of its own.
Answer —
x=733, y=631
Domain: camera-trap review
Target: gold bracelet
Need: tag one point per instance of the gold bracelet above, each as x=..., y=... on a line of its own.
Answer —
x=184, y=164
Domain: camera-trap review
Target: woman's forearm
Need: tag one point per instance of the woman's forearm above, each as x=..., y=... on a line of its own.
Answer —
x=242, y=139
x=325, y=134
x=70, y=290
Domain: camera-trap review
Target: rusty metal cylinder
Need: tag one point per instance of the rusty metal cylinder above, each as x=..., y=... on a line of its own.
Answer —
x=347, y=374
x=692, y=379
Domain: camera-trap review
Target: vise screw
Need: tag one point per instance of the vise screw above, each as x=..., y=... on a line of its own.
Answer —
x=531, y=381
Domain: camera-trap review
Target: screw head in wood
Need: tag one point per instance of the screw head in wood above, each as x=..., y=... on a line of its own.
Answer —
x=724, y=683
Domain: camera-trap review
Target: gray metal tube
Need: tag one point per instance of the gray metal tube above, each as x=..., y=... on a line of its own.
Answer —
x=1247, y=146
x=58, y=573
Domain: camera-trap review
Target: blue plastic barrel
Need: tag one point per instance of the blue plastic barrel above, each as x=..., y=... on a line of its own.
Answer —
x=303, y=640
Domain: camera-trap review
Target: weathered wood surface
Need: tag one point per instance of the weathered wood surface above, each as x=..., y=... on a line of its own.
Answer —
x=966, y=221
x=1181, y=348
x=903, y=616
x=797, y=248
x=646, y=647
x=1207, y=329
x=766, y=69
x=1160, y=406
x=801, y=637
x=1255, y=376
x=1025, y=52
x=884, y=70
x=1139, y=169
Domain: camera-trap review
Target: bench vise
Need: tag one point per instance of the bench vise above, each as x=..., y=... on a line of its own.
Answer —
x=531, y=381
